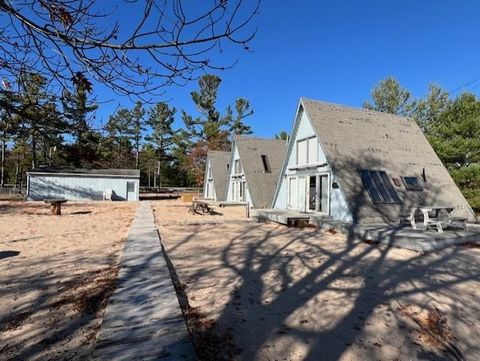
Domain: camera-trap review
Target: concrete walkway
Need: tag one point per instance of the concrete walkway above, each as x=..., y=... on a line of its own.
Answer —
x=143, y=320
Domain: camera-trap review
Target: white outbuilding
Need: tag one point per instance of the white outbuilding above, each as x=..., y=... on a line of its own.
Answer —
x=83, y=184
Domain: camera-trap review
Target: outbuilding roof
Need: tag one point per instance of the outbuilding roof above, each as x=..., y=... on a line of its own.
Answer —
x=219, y=162
x=261, y=183
x=79, y=171
x=354, y=139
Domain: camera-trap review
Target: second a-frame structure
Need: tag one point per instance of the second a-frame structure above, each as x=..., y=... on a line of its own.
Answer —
x=216, y=171
x=255, y=165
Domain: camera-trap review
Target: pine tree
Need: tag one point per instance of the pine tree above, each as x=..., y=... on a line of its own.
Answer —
x=76, y=109
x=283, y=135
x=390, y=97
x=455, y=136
x=40, y=119
x=236, y=123
x=117, y=146
x=136, y=128
x=160, y=119
x=210, y=130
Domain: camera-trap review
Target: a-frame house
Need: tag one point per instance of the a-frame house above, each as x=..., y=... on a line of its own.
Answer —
x=216, y=171
x=255, y=164
x=361, y=166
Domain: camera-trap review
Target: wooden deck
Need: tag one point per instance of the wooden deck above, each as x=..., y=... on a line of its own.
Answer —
x=143, y=319
x=385, y=234
x=286, y=217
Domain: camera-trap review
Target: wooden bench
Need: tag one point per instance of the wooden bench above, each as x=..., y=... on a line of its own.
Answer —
x=56, y=205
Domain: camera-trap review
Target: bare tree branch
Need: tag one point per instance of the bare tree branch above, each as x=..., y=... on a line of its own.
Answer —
x=165, y=42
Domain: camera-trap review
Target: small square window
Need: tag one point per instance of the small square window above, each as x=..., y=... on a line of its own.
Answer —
x=412, y=184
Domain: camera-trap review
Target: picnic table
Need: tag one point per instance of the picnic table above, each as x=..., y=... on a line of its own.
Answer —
x=56, y=205
x=199, y=207
x=437, y=216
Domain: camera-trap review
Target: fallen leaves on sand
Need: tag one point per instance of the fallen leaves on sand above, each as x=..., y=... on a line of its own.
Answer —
x=432, y=330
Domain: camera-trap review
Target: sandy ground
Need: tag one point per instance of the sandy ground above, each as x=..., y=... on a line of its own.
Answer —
x=56, y=274
x=176, y=212
x=303, y=294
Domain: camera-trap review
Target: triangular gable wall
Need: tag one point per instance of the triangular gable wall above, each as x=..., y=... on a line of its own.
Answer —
x=209, y=181
x=302, y=129
x=232, y=177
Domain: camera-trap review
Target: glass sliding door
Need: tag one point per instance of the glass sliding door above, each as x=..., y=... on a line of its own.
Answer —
x=323, y=194
x=312, y=194
x=242, y=191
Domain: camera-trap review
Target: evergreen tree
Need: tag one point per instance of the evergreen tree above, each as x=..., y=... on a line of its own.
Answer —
x=428, y=111
x=390, y=97
x=210, y=130
x=160, y=119
x=236, y=124
x=40, y=120
x=117, y=146
x=135, y=128
x=7, y=129
x=76, y=109
x=283, y=135
x=455, y=136
x=456, y=133
x=209, y=126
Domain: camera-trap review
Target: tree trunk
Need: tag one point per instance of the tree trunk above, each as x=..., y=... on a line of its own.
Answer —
x=137, y=151
x=17, y=171
x=2, y=175
x=34, y=152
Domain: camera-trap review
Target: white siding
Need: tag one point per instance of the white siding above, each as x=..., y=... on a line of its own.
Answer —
x=304, y=130
x=209, y=186
x=231, y=178
x=78, y=187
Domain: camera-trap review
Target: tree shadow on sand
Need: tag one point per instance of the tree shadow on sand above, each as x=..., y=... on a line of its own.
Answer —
x=345, y=299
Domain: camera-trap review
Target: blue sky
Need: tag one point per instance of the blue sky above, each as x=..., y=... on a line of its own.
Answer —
x=338, y=50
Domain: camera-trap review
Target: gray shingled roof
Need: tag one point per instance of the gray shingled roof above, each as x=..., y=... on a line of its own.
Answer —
x=354, y=139
x=97, y=172
x=219, y=162
x=261, y=184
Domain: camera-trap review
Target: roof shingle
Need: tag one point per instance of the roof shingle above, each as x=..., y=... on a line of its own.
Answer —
x=261, y=184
